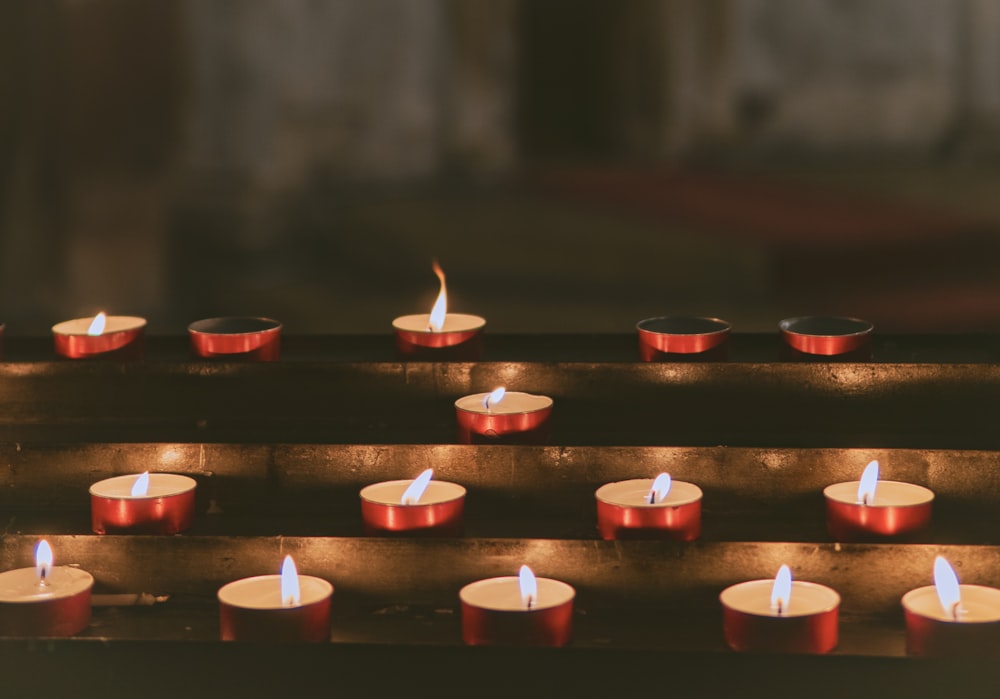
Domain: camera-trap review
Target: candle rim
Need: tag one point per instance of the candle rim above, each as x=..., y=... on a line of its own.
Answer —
x=460, y=492
x=132, y=323
x=788, y=325
x=268, y=325
x=64, y=581
x=189, y=485
x=422, y=323
x=767, y=584
x=320, y=590
x=718, y=325
x=567, y=590
x=940, y=617
x=546, y=403
x=675, y=486
x=829, y=493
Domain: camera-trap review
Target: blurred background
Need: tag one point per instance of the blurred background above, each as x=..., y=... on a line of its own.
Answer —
x=575, y=165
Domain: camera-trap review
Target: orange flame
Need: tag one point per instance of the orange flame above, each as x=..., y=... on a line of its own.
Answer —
x=290, y=594
x=440, y=309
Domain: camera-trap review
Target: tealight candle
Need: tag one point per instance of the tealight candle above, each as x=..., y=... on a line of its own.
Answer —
x=780, y=615
x=418, y=507
x=45, y=600
x=659, y=508
x=827, y=336
x=256, y=339
x=668, y=335
x=151, y=503
x=871, y=509
x=439, y=334
x=517, y=610
x=103, y=335
x=285, y=607
x=503, y=416
x=948, y=619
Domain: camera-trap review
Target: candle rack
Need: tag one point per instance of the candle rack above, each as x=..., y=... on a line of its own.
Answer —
x=281, y=450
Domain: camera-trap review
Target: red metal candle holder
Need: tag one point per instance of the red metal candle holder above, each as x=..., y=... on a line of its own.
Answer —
x=439, y=512
x=251, y=610
x=899, y=511
x=167, y=508
x=929, y=632
x=460, y=338
x=826, y=336
x=749, y=626
x=254, y=339
x=492, y=613
x=60, y=608
x=661, y=337
x=624, y=513
x=122, y=338
x=520, y=418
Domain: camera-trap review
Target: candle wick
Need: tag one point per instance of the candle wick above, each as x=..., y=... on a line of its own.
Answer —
x=955, y=610
x=864, y=499
x=781, y=606
x=652, y=497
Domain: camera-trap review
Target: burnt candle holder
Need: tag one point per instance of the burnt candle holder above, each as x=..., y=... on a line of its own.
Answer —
x=249, y=338
x=827, y=336
x=678, y=338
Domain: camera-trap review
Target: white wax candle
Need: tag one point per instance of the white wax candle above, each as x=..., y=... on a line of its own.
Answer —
x=503, y=594
x=113, y=324
x=978, y=604
x=887, y=494
x=22, y=584
x=453, y=323
x=264, y=592
x=160, y=485
x=512, y=403
x=754, y=597
x=635, y=493
x=391, y=492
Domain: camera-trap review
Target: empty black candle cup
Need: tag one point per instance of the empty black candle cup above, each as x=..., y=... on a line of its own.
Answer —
x=827, y=337
x=683, y=337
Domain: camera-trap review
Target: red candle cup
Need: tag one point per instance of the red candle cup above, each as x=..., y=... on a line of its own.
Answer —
x=260, y=609
x=827, y=336
x=503, y=417
x=108, y=337
x=166, y=506
x=805, y=622
x=459, y=339
x=874, y=510
x=951, y=620
x=436, y=511
x=50, y=602
x=659, y=338
x=624, y=511
x=494, y=612
x=254, y=339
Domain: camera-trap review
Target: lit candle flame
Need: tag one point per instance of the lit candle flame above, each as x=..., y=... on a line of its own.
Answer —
x=440, y=309
x=494, y=398
x=43, y=561
x=946, y=584
x=781, y=593
x=141, y=486
x=660, y=489
x=869, y=479
x=529, y=587
x=412, y=495
x=290, y=594
x=97, y=325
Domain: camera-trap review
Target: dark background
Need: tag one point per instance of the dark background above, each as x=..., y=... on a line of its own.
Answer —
x=575, y=165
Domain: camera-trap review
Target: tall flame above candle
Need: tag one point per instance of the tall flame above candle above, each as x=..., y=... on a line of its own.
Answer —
x=440, y=309
x=529, y=587
x=97, y=325
x=946, y=584
x=869, y=481
x=660, y=489
x=494, y=398
x=141, y=486
x=43, y=561
x=290, y=594
x=412, y=495
x=781, y=592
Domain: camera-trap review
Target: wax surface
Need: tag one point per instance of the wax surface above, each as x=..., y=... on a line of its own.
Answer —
x=635, y=493
x=754, y=597
x=21, y=585
x=887, y=494
x=504, y=594
x=513, y=402
x=160, y=485
x=113, y=324
x=264, y=592
x=453, y=323
x=390, y=492
x=979, y=603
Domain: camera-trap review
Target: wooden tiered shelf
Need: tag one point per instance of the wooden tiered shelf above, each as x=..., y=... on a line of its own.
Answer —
x=281, y=450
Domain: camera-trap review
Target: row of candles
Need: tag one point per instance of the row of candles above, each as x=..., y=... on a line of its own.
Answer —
x=444, y=335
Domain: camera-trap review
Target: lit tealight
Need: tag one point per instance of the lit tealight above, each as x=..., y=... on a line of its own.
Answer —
x=290, y=594
x=781, y=591
x=528, y=584
x=43, y=561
